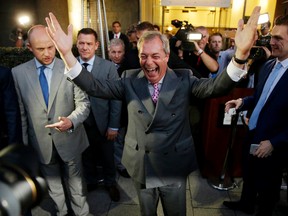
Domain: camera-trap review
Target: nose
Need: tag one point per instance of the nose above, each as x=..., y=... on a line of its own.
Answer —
x=46, y=52
x=149, y=60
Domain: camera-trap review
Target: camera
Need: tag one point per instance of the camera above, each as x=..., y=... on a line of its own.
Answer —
x=186, y=34
x=20, y=184
x=257, y=52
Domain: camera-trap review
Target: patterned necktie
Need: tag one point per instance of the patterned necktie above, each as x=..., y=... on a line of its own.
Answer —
x=85, y=65
x=264, y=95
x=155, y=94
x=44, y=85
x=116, y=36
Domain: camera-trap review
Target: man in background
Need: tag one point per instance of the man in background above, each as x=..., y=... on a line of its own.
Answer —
x=116, y=33
x=223, y=56
x=103, y=123
x=116, y=52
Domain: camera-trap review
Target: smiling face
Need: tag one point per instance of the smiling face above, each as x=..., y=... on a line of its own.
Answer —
x=279, y=42
x=153, y=58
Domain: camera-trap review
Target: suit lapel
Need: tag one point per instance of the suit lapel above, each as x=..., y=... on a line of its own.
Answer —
x=278, y=87
x=33, y=79
x=141, y=88
x=56, y=79
x=169, y=86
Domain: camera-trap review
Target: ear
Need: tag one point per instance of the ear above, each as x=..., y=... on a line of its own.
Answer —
x=29, y=46
x=96, y=45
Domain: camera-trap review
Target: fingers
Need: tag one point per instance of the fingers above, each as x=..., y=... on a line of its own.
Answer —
x=70, y=30
x=253, y=20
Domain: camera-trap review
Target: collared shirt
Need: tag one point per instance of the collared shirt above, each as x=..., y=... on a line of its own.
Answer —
x=281, y=71
x=90, y=62
x=118, y=35
x=151, y=88
x=48, y=71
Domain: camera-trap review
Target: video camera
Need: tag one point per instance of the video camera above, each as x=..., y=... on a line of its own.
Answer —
x=257, y=51
x=186, y=34
x=21, y=188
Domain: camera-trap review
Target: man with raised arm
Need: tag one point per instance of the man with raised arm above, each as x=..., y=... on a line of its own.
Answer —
x=159, y=150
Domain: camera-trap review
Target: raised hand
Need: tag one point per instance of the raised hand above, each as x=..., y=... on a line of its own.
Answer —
x=246, y=36
x=63, y=42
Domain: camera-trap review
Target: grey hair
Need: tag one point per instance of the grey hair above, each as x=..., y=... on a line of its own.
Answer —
x=149, y=35
x=116, y=42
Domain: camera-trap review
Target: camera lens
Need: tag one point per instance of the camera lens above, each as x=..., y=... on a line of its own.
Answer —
x=21, y=187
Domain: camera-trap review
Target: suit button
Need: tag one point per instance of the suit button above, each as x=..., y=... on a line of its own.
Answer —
x=49, y=119
x=140, y=111
x=147, y=152
x=173, y=114
x=49, y=134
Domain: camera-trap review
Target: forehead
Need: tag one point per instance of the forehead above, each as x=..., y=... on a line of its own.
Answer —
x=116, y=25
x=152, y=46
x=40, y=38
x=215, y=38
x=116, y=48
x=280, y=30
x=86, y=37
x=203, y=31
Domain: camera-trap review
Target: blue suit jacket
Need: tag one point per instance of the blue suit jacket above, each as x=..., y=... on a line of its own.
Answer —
x=10, y=123
x=273, y=119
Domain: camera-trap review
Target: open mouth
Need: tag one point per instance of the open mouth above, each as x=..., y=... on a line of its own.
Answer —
x=151, y=70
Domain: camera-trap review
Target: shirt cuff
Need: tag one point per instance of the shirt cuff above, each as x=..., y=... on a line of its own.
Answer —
x=74, y=71
x=114, y=129
x=236, y=73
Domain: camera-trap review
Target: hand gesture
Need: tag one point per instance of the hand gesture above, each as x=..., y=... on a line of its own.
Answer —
x=233, y=104
x=63, y=42
x=246, y=36
x=63, y=124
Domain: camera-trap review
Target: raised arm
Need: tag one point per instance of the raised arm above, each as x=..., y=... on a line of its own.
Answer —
x=63, y=42
x=244, y=38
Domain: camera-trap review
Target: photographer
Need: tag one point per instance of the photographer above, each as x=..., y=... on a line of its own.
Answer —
x=259, y=54
x=200, y=57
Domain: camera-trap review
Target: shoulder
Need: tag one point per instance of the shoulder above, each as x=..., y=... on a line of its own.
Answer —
x=59, y=62
x=182, y=72
x=24, y=65
x=132, y=73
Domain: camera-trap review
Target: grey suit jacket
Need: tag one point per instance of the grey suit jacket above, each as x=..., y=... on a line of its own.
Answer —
x=107, y=113
x=159, y=146
x=65, y=99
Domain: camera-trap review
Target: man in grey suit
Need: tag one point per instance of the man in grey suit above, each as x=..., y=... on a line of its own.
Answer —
x=159, y=151
x=104, y=120
x=53, y=126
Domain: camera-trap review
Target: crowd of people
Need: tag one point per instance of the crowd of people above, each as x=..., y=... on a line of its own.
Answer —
x=131, y=114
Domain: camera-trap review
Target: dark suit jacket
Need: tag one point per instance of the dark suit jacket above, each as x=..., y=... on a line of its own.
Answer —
x=273, y=119
x=10, y=121
x=107, y=113
x=159, y=146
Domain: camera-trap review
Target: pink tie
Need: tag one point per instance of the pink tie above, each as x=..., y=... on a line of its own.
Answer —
x=155, y=95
